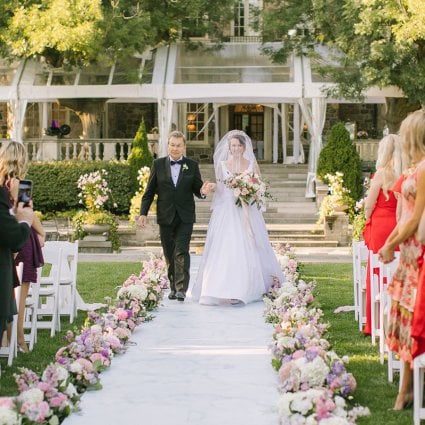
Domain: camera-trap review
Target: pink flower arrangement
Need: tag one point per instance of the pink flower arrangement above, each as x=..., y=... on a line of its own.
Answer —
x=248, y=189
x=313, y=380
x=53, y=396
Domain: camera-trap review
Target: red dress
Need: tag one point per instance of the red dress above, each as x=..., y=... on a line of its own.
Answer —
x=418, y=320
x=377, y=229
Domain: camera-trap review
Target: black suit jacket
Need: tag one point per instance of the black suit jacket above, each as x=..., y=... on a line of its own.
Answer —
x=13, y=236
x=173, y=199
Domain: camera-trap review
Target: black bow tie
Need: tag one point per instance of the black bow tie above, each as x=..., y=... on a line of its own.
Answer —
x=180, y=162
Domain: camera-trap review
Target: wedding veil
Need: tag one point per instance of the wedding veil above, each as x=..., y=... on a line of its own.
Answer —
x=222, y=153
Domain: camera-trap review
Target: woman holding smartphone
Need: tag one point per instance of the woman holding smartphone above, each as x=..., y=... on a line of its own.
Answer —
x=13, y=165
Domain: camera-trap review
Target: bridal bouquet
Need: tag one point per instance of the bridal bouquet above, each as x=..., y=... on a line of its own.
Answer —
x=248, y=188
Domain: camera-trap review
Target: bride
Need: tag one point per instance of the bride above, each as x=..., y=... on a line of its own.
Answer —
x=238, y=264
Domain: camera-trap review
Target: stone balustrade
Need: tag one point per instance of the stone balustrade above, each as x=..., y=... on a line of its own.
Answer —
x=57, y=149
x=367, y=149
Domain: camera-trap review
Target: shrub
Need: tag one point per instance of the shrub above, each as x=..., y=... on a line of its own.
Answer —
x=340, y=155
x=55, y=184
x=140, y=155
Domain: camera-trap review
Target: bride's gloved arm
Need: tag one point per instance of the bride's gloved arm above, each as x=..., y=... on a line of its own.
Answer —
x=257, y=168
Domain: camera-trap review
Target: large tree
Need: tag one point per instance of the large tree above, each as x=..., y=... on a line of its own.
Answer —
x=382, y=43
x=63, y=33
x=83, y=32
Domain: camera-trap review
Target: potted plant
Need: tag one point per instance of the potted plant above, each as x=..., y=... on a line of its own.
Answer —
x=94, y=193
x=338, y=198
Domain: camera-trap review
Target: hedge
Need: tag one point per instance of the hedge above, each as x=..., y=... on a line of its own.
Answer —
x=55, y=184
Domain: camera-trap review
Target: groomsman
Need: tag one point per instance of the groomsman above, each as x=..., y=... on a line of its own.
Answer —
x=176, y=180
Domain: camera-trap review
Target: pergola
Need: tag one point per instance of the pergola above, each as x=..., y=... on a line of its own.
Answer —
x=237, y=73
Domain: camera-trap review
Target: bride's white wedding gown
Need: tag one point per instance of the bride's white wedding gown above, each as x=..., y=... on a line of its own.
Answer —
x=238, y=262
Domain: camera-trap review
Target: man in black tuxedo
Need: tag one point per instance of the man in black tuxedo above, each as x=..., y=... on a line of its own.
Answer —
x=175, y=179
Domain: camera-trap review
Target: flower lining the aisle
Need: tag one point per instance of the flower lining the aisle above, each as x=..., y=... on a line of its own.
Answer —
x=313, y=380
x=51, y=397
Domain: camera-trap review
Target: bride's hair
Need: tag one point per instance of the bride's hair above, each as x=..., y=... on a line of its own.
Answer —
x=221, y=152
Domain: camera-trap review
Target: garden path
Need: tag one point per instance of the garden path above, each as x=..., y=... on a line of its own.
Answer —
x=192, y=364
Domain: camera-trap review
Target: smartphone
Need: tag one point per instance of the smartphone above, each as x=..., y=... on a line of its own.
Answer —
x=25, y=192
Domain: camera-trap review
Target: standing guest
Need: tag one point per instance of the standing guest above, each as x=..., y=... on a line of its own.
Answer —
x=15, y=226
x=381, y=205
x=175, y=179
x=13, y=162
x=404, y=283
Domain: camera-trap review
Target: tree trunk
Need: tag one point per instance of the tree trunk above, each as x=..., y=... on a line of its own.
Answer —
x=90, y=113
x=397, y=109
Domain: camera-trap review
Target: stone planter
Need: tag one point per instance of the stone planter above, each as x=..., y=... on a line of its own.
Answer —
x=96, y=239
x=96, y=229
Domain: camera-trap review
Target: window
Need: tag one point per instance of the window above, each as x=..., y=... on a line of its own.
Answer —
x=195, y=121
x=239, y=28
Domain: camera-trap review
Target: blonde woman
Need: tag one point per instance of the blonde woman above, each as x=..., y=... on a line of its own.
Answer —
x=13, y=167
x=15, y=230
x=381, y=204
x=404, y=283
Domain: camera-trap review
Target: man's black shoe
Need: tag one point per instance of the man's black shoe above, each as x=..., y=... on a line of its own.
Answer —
x=172, y=295
x=180, y=296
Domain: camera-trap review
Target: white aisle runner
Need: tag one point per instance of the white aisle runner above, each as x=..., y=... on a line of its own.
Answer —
x=193, y=364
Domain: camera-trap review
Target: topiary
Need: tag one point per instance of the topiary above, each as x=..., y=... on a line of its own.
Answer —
x=140, y=155
x=340, y=155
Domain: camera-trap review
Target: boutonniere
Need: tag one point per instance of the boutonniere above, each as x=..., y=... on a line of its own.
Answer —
x=185, y=167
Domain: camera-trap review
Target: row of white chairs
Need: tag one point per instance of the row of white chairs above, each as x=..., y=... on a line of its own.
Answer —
x=52, y=296
x=380, y=301
x=380, y=306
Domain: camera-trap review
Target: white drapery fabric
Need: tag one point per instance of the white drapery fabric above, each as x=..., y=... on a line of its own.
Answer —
x=314, y=114
x=17, y=108
x=165, y=110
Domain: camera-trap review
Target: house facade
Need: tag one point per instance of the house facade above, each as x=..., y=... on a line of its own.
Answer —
x=204, y=93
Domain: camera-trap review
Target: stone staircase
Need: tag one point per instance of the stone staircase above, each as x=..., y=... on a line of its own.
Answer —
x=290, y=217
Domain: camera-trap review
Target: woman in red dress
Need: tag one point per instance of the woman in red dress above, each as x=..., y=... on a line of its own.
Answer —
x=381, y=204
x=404, y=283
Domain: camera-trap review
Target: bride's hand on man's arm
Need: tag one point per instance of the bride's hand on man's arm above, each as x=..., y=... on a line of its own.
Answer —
x=207, y=187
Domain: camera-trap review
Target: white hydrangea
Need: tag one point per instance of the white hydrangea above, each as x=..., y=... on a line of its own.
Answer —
x=32, y=396
x=71, y=391
x=61, y=373
x=76, y=367
x=8, y=416
x=313, y=372
x=139, y=292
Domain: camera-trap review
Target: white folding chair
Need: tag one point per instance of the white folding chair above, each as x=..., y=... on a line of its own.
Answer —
x=375, y=296
x=67, y=277
x=359, y=275
x=30, y=317
x=418, y=389
x=356, y=275
x=386, y=272
x=48, y=297
x=11, y=350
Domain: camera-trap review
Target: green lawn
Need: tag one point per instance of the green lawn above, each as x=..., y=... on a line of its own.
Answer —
x=334, y=289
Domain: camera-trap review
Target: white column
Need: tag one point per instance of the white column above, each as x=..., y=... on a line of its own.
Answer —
x=296, y=129
x=275, y=134
x=284, y=119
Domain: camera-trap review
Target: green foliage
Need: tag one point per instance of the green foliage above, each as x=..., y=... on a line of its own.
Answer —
x=86, y=32
x=340, y=155
x=382, y=42
x=136, y=200
x=140, y=155
x=55, y=184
